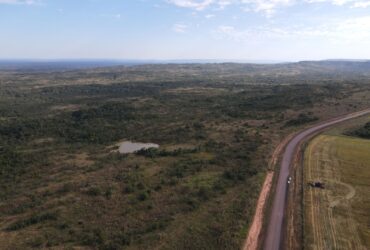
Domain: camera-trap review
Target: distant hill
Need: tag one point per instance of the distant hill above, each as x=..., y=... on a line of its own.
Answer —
x=57, y=65
x=340, y=65
x=312, y=68
x=189, y=68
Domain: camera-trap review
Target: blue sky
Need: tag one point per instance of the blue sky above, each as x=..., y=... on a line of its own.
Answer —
x=185, y=29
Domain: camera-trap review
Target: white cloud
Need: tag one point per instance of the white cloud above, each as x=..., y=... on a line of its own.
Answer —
x=28, y=2
x=179, y=28
x=230, y=32
x=267, y=7
x=209, y=16
x=350, y=3
x=247, y=35
x=223, y=3
x=353, y=30
x=361, y=4
x=113, y=16
x=192, y=4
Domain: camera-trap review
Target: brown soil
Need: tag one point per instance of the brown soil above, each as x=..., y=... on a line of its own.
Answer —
x=255, y=230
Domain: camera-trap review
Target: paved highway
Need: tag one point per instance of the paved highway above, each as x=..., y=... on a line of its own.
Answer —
x=275, y=224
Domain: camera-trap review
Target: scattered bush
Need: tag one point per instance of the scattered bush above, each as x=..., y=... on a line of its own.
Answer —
x=34, y=219
x=94, y=191
x=300, y=120
x=363, y=132
x=142, y=196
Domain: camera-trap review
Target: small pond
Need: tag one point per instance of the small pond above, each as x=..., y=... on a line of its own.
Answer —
x=127, y=147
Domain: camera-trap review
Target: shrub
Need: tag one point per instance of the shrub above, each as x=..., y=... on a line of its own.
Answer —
x=93, y=238
x=301, y=119
x=94, y=191
x=108, y=193
x=363, y=132
x=142, y=196
x=34, y=219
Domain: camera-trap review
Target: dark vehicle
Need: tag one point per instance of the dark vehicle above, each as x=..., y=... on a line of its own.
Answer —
x=317, y=184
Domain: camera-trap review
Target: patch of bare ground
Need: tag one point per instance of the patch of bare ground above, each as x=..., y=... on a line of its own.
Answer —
x=42, y=140
x=255, y=229
x=67, y=107
x=196, y=90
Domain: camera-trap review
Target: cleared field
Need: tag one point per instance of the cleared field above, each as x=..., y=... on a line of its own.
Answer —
x=337, y=217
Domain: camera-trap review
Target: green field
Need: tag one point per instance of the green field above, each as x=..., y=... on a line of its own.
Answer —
x=337, y=217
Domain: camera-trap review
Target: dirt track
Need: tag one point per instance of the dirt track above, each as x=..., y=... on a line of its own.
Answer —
x=255, y=229
x=275, y=224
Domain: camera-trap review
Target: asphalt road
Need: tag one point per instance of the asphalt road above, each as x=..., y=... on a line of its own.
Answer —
x=275, y=226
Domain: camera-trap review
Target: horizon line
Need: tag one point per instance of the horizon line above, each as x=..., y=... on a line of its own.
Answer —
x=177, y=59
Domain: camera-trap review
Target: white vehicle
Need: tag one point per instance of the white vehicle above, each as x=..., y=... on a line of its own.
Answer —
x=289, y=180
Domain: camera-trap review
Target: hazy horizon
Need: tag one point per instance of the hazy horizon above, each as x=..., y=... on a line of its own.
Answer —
x=206, y=60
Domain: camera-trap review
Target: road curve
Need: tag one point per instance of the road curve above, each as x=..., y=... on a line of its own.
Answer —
x=274, y=229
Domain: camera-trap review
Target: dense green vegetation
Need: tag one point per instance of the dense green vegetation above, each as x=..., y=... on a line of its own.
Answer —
x=301, y=119
x=363, y=132
x=63, y=183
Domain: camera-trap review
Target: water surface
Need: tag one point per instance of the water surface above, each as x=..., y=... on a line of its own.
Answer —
x=127, y=147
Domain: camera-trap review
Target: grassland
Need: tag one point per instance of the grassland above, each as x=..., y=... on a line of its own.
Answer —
x=337, y=217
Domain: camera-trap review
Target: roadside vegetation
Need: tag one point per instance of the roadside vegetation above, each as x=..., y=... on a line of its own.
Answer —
x=363, y=132
x=63, y=183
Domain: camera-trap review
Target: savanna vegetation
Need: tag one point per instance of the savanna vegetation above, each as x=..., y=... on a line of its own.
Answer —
x=63, y=183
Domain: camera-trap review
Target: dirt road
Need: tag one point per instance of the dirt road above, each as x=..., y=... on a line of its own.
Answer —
x=253, y=239
x=255, y=230
x=274, y=229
